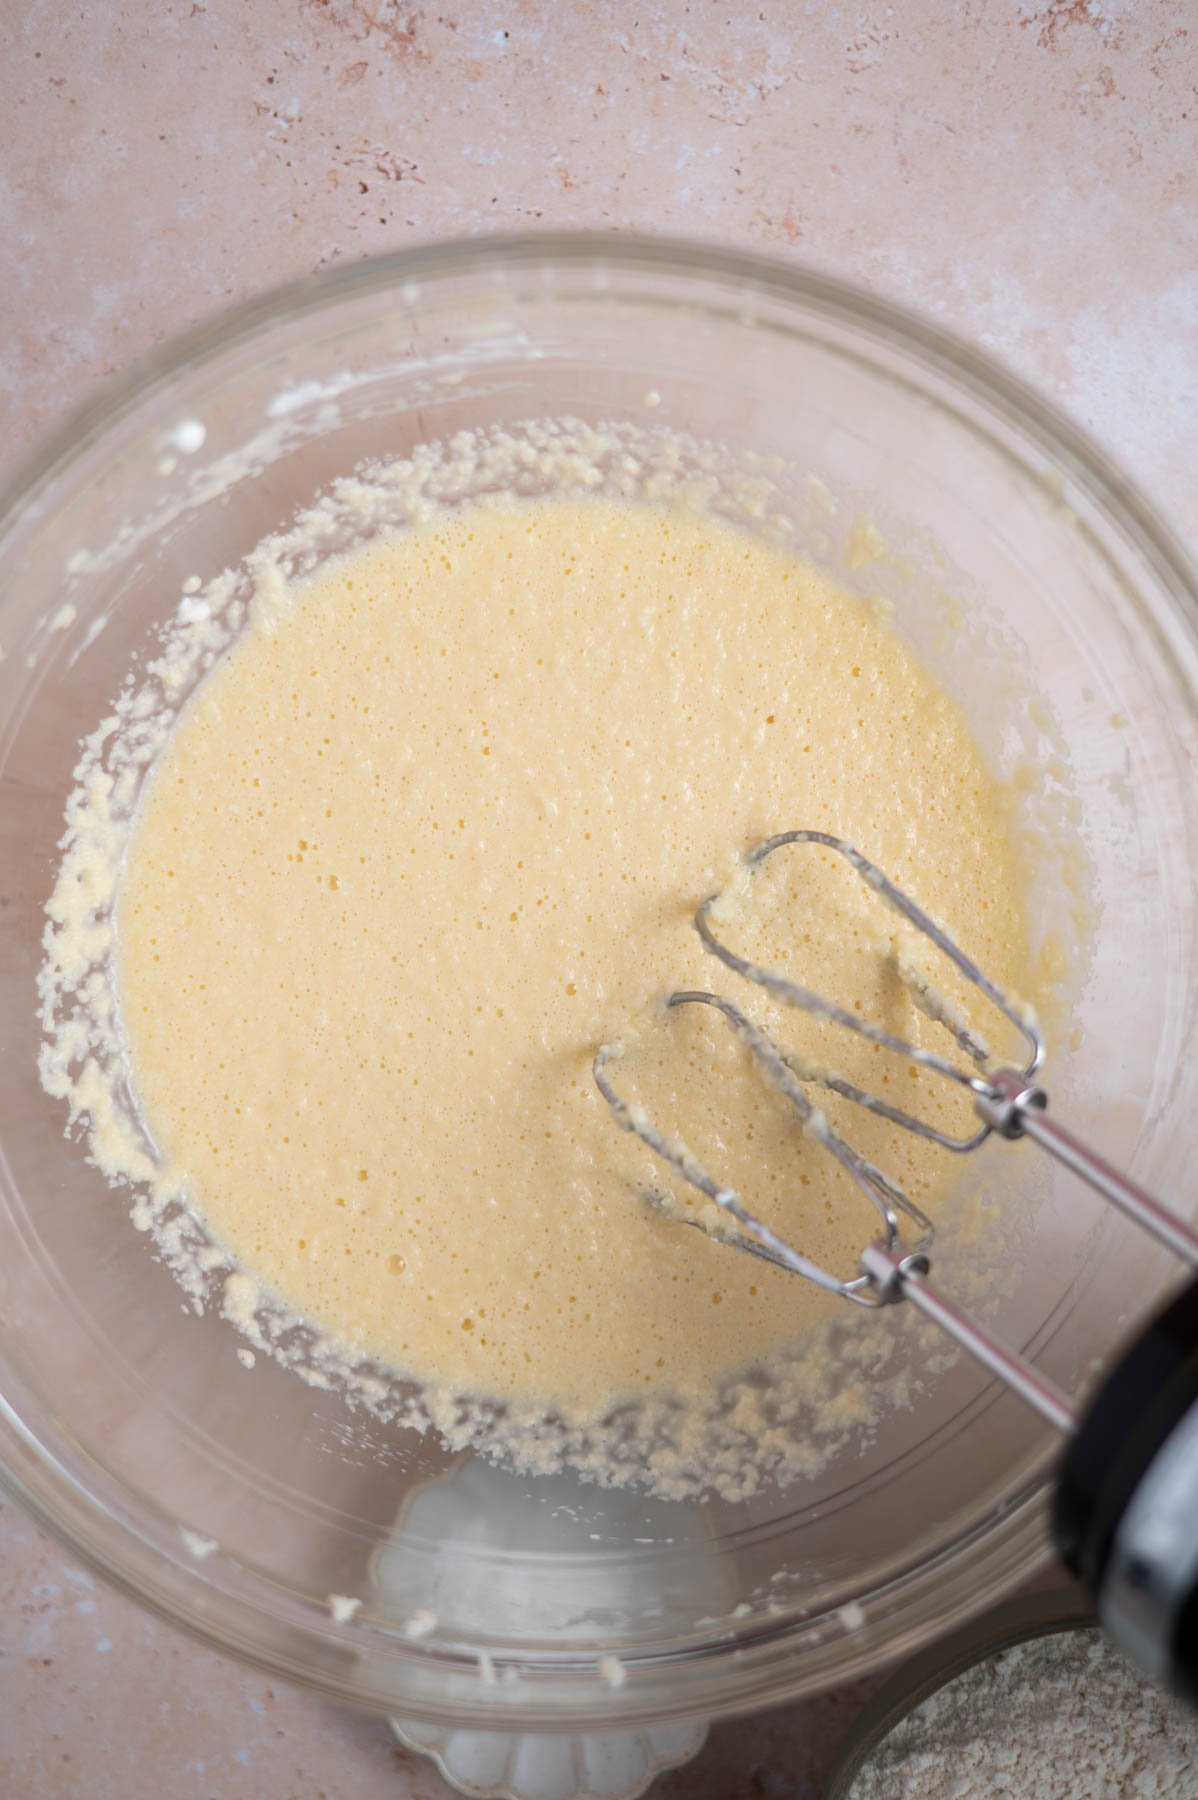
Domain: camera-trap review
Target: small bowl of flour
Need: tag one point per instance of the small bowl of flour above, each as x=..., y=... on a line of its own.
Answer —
x=1030, y=1702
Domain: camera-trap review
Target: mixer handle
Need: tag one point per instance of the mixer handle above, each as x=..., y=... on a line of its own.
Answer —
x=1125, y=1516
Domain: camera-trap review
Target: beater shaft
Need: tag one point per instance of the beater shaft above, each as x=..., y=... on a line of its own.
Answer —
x=898, y=1276
x=1017, y=1110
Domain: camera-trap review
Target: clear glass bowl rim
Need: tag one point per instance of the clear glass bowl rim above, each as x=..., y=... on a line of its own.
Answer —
x=278, y=1639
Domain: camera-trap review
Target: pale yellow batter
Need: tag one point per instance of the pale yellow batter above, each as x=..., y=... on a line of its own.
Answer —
x=435, y=829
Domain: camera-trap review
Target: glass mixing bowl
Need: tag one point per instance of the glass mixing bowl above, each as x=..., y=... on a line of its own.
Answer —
x=1052, y=602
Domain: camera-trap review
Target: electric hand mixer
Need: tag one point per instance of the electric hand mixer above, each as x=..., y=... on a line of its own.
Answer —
x=1125, y=1517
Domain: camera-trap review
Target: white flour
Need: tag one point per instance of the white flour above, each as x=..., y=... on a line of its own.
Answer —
x=1061, y=1718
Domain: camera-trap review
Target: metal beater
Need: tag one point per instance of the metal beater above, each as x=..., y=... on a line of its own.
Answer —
x=1126, y=1512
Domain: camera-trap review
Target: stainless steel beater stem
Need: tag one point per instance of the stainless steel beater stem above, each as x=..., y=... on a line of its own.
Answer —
x=897, y=1274
x=1018, y=1110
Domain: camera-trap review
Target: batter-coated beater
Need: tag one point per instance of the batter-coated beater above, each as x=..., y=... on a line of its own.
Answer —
x=1125, y=1518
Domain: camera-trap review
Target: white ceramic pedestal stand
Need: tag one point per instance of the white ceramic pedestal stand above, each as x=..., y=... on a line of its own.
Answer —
x=426, y=1567
x=596, y=1765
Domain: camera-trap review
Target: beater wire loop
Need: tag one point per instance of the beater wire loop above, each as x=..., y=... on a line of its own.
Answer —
x=932, y=1004
x=789, y=1072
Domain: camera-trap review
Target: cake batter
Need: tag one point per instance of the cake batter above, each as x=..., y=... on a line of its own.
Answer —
x=434, y=829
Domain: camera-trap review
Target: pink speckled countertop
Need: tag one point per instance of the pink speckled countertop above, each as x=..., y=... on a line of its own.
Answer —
x=1024, y=172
